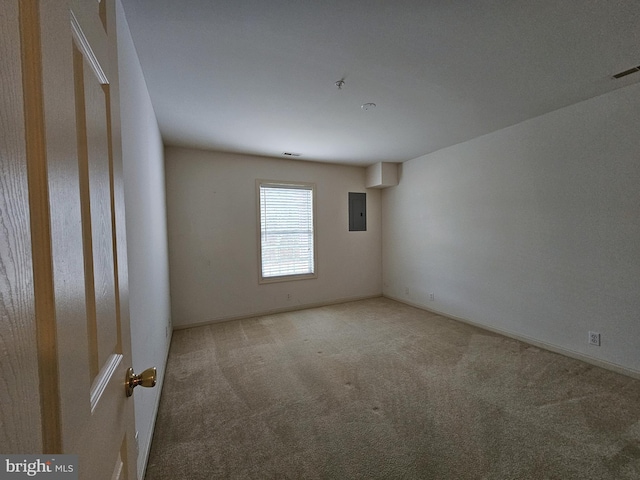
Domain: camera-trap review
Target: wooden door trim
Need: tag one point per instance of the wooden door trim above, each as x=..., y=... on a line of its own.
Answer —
x=114, y=226
x=84, y=46
x=102, y=380
x=37, y=175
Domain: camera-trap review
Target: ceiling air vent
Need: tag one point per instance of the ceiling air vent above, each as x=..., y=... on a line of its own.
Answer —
x=289, y=154
x=627, y=72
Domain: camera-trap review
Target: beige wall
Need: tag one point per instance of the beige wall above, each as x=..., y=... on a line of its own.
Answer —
x=143, y=165
x=533, y=230
x=213, y=242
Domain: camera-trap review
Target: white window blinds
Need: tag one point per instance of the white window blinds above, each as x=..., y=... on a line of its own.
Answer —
x=286, y=230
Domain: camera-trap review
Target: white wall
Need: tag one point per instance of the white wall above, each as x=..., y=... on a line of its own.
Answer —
x=146, y=233
x=213, y=242
x=533, y=230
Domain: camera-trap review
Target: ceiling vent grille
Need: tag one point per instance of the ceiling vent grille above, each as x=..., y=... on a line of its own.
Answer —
x=627, y=72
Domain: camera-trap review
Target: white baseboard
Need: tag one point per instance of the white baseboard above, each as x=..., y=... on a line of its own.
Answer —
x=146, y=449
x=276, y=310
x=531, y=341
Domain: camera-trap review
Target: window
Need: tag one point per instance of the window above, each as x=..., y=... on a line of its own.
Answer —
x=287, y=238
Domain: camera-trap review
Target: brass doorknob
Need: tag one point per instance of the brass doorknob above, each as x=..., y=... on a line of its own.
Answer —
x=145, y=379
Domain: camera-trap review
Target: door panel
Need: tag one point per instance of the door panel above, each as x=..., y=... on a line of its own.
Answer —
x=95, y=185
x=110, y=422
x=67, y=336
x=101, y=232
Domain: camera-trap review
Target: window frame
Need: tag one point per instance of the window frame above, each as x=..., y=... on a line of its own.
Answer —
x=286, y=184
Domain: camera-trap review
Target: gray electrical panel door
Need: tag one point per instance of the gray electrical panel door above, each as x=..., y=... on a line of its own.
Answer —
x=357, y=212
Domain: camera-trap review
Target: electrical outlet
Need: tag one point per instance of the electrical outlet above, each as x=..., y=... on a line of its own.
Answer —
x=406, y=291
x=432, y=297
x=288, y=296
x=594, y=339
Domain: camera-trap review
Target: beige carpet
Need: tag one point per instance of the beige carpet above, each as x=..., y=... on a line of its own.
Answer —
x=379, y=390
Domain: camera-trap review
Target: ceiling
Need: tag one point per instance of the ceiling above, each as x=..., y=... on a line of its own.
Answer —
x=258, y=77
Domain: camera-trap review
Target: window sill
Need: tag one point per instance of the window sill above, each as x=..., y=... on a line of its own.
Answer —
x=287, y=278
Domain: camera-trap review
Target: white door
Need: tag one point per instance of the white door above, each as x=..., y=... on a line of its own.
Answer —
x=64, y=336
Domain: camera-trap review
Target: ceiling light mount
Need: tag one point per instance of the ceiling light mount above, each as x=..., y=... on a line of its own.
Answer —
x=368, y=106
x=340, y=84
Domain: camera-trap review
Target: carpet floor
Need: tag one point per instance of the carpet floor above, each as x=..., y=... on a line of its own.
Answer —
x=376, y=389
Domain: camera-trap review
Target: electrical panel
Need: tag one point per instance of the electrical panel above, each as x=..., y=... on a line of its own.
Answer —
x=357, y=212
